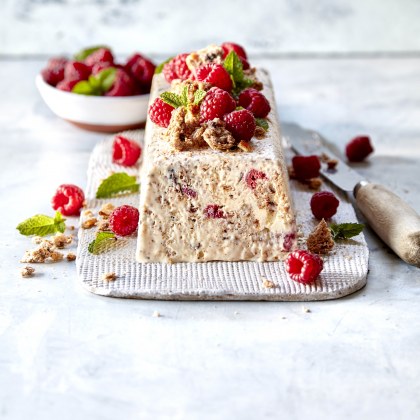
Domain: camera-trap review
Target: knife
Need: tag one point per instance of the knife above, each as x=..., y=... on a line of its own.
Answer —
x=395, y=222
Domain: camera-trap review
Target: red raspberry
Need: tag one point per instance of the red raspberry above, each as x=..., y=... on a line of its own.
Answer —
x=68, y=199
x=103, y=55
x=124, y=220
x=241, y=124
x=216, y=75
x=324, y=205
x=358, y=149
x=125, y=152
x=303, y=266
x=160, y=112
x=98, y=67
x=181, y=68
x=169, y=71
x=53, y=73
x=254, y=101
x=216, y=103
x=67, y=85
x=245, y=64
x=306, y=167
x=142, y=69
x=76, y=70
x=123, y=85
x=230, y=46
x=253, y=176
x=213, y=211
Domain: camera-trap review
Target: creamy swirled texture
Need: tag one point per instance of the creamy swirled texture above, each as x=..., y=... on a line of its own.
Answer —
x=204, y=205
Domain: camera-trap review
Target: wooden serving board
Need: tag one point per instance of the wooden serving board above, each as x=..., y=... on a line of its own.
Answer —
x=345, y=269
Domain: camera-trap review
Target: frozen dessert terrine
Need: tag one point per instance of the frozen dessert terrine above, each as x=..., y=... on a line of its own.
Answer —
x=205, y=193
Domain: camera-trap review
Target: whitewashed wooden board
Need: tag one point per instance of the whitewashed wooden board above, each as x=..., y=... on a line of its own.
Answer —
x=345, y=270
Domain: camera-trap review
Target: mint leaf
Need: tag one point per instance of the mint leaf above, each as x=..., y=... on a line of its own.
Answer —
x=172, y=99
x=84, y=88
x=234, y=67
x=199, y=95
x=106, y=78
x=159, y=67
x=42, y=225
x=101, y=243
x=119, y=182
x=83, y=54
x=184, y=96
x=262, y=122
x=345, y=230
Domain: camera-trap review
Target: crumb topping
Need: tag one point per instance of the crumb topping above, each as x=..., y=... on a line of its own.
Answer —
x=109, y=276
x=211, y=54
x=268, y=284
x=27, y=271
x=45, y=251
x=320, y=241
x=217, y=136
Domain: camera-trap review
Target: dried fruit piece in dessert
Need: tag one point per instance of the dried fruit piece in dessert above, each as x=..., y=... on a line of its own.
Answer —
x=201, y=204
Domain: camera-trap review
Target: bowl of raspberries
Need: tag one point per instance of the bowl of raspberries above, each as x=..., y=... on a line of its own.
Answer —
x=95, y=92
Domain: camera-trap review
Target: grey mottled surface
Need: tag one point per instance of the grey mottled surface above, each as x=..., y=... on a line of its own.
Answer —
x=171, y=26
x=66, y=354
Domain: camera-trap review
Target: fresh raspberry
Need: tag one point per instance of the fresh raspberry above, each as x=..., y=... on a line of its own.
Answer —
x=160, y=112
x=306, y=167
x=124, y=220
x=103, y=55
x=53, y=73
x=188, y=191
x=213, y=211
x=241, y=124
x=142, y=69
x=169, y=71
x=253, y=176
x=180, y=66
x=245, y=64
x=67, y=85
x=254, y=101
x=358, y=149
x=324, y=205
x=123, y=85
x=98, y=67
x=216, y=103
x=230, y=46
x=303, y=266
x=68, y=199
x=216, y=75
x=125, y=152
x=76, y=70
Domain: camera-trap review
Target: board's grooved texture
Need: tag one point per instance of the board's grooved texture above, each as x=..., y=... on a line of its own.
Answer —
x=345, y=270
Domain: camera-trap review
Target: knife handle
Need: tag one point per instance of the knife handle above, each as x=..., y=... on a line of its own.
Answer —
x=396, y=223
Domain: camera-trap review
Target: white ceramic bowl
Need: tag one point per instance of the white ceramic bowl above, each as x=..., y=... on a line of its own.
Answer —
x=96, y=113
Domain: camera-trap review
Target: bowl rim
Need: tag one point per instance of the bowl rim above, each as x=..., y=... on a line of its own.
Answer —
x=39, y=80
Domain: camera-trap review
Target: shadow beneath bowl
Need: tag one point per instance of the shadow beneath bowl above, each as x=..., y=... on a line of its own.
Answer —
x=107, y=128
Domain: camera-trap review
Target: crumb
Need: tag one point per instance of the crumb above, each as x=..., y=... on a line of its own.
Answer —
x=44, y=251
x=245, y=146
x=291, y=172
x=71, y=227
x=109, y=276
x=217, y=136
x=332, y=163
x=320, y=240
x=305, y=310
x=103, y=226
x=313, y=183
x=268, y=284
x=89, y=223
x=259, y=132
x=70, y=256
x=106, y=210
x=27, y=271
x=156, y=314
x=88, y=213
x=60, y=240
x=37, y=240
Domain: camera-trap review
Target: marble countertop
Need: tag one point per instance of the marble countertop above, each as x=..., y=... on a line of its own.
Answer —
x=65, y=353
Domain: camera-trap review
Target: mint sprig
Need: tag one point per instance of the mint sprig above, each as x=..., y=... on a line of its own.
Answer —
x=42, y=225
x=96, y=85
x=262, y=122
x=177, y=101
x=101, y=242
x=117, y=183
x=234, y=67
x=345, y=230
x=86, y=52
x=159, y=67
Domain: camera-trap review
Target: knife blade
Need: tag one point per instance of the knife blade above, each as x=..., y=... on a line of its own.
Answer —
x=395, y=222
